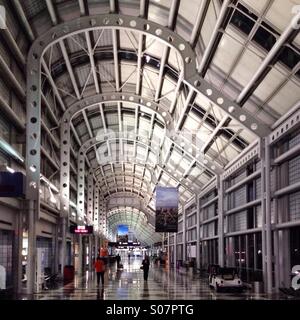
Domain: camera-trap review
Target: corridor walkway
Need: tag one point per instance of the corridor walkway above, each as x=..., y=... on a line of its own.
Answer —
x=128, y=284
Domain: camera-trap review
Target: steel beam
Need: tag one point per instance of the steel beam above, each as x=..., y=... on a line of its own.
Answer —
x=288, y=35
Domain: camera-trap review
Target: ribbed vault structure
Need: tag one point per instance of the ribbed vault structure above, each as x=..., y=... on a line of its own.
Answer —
x=140, y=76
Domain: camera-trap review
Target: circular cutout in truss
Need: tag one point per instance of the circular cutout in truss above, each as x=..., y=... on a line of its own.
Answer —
x=197, y=83
x=243, y=118
x=33, y=152
x=164, y=114
x=220, y=101
x=181, y=47
x=188, y=60
x=209, y=92
x=65, y=185
x=33, y=120
x=158, y=32
x=254, y=126
x=131, y=98
x=132, y=23
x=33, y=88
x=120, y=22
x=93, y=22
x=106, y=21
x=231, y=109
x=148, y=104
x=32, y=184
x=146, y=26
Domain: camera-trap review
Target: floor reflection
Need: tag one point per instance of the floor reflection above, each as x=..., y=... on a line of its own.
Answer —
x=128, y=284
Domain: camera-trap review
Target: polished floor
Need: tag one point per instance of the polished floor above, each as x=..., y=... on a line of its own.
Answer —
x=128, y=284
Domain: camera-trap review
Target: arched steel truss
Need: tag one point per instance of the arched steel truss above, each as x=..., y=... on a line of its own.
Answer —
x=113, y=21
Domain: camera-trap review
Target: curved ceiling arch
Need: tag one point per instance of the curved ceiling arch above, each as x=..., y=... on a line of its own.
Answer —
x=135, y=206
x=117, y=186
x=118, y=97
x=135, y=219
x=118, y=22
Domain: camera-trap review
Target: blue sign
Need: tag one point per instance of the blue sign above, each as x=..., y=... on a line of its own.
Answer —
x=12, y=184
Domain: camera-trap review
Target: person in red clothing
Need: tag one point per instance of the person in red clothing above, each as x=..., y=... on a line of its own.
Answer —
x=100, y=269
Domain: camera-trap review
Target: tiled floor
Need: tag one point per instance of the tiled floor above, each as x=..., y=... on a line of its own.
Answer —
x=128, y=284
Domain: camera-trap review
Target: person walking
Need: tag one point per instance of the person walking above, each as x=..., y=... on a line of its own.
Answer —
x=145, y=267
x=100, y=269
x=118, y=258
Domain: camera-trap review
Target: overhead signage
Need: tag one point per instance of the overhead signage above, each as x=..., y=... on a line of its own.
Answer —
x=81, y=229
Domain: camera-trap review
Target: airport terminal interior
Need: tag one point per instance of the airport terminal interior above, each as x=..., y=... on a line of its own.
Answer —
x=165, y=131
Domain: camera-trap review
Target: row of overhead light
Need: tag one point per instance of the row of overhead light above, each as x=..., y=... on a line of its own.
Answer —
x=10, y=150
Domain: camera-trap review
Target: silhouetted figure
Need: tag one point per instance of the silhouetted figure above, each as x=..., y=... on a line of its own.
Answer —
x=118, y=258
x=146, y=265
x=100, y=294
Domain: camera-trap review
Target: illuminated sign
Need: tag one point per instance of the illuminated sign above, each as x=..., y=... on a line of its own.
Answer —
x=81, y=229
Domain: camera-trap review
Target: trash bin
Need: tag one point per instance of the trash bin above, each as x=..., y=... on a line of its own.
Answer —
x=69, y=272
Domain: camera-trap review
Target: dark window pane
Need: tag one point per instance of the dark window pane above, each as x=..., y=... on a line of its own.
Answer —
x=264, y=38
x=289, y=57
x=242, y=22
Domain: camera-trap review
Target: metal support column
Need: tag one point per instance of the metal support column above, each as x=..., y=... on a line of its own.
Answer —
x=17, y=253
x=269, y=254
x=198, y=260
x=80, y=255
x=263, y=189
x=90, y=253
x=90, y=196
x=63, y=244
x=175, y=250
x=221, y=220
x=169, y=251
x=276, y=234
x=55, y=248
x=184, y=235
x=96, y=245
x=31, y=257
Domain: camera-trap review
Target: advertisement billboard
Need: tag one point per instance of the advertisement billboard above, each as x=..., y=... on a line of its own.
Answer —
x=166, y=209
x=122, y=233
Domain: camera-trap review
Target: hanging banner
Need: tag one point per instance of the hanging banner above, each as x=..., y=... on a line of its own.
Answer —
x=166, y=209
